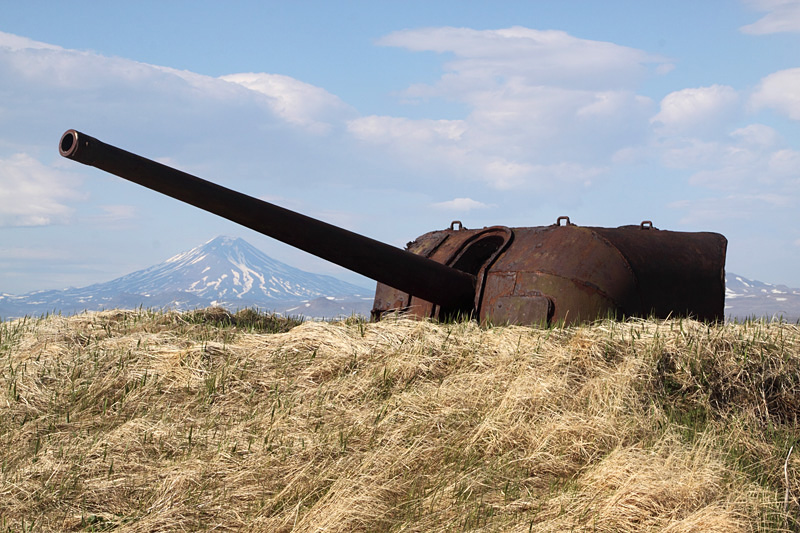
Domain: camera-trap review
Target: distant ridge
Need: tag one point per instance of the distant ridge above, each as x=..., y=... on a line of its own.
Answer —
x=225, y=271
x=229, y=272
x=747, y=298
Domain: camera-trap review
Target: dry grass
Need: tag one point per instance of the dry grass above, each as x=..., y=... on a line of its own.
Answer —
x=137, y=421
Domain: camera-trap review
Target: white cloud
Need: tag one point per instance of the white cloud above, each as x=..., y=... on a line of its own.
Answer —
x=297, y=102
x=508, y=175
x=96, y=88
x=739, y=206
x=53, y=67
x=727, y=176
x=695, y=110
x=753, y=170
x=538, y=102
x=534, y=57
x=27, y=253
x=780, y=91
x=754, y=157
x=429, y=146
x=741, y=148
x=460, y=204
x=505, y=174
x=16, y=43
x=544, y=108
x=32, y=194
x=609, y=104
x=114, y=213
x=782, y=16
x=785, y=164
x=474, y=149
x=382, y=129
x=757, y=135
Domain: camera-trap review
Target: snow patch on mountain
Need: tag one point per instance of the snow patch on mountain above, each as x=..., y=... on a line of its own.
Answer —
x=746, y=298
x=224, y=271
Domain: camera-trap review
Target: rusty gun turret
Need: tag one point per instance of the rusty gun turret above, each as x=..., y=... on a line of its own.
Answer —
x=536, y=275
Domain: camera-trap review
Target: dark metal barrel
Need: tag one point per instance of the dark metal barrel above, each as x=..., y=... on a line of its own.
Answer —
x=387, y=264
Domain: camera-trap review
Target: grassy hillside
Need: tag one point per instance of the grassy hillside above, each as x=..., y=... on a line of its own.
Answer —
x=138, y=421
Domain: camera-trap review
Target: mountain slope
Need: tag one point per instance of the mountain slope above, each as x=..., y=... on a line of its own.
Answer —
x=225, y=271
x=231, y=270
x=746, y=298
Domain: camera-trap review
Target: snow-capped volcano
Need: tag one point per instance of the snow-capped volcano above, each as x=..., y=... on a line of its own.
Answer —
x=225, y=271
x=231, y=270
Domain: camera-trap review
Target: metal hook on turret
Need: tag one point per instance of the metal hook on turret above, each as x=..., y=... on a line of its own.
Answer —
x=453, y=225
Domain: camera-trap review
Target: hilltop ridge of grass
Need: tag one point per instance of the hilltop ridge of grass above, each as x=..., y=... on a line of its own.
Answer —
x=141, y=421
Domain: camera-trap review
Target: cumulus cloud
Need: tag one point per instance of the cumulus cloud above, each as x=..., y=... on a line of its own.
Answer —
x=32, y=194
x=460, y=204
x=17, y=42
x=93, y=87
x=696, y=110
x=533, y=57
x=544, y=108
x=508, y=175
x=757, y=135
x=779, y=91
x=437, y=146
x=755, y=156
x=462, y=147
x=29, y=254
x=53, y=67
x=740, y=206
x=114, y=214
x=782, y=16
x=297, y=102
x=785, y=164
x=384, y=129
x=538, y=102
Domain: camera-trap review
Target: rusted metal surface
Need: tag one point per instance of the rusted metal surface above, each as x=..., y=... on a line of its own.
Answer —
x=562, y=273
x=677, y=273
x=565, y=273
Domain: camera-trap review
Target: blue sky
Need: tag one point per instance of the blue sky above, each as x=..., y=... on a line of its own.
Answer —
x=394, y=118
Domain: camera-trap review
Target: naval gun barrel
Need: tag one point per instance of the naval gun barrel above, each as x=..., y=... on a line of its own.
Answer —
x=403, y=270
